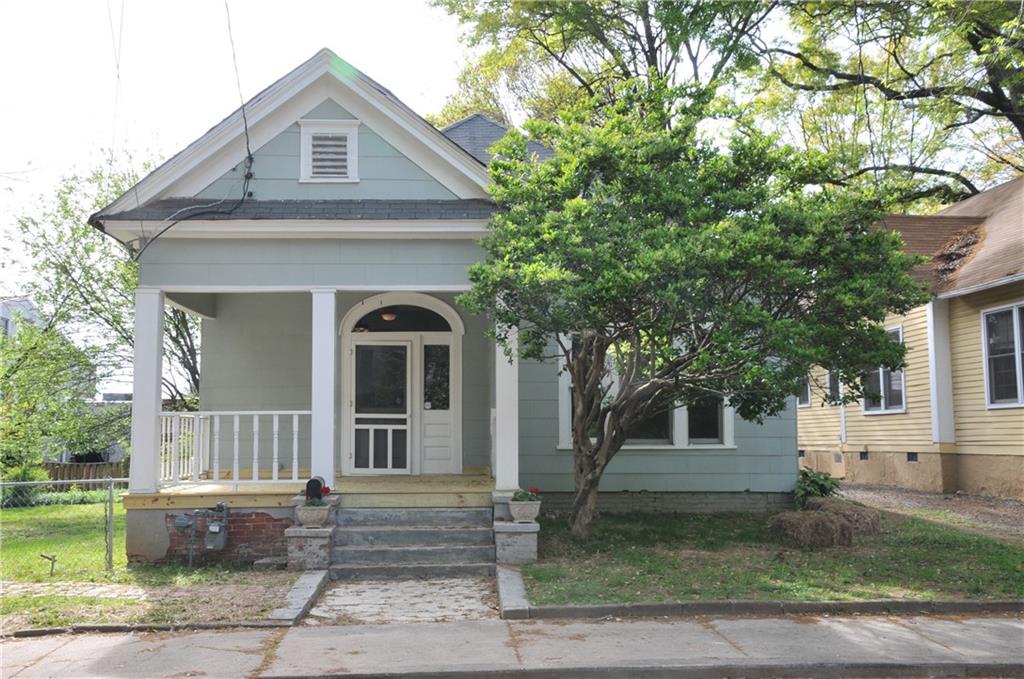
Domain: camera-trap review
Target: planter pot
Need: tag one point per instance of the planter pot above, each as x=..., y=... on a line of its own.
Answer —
x=314, y=517
x=524, y=512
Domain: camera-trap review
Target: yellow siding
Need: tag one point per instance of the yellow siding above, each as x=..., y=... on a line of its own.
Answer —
x=910, y=430
x=817, y=424
x=979, y=429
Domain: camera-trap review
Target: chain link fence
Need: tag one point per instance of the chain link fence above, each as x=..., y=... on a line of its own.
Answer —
x=61, y=530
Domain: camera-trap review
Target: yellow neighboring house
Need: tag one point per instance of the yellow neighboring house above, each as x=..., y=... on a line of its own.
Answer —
x=953, y=419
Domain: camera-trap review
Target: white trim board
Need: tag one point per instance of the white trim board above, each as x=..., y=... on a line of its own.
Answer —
x=324, y=76
x=1017, y=309
x=231, y=289
x=411, y=229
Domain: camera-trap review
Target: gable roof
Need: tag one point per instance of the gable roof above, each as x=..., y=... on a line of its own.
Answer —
x=364, y=210
x=477, y=133
x=223, y=145
x=974, y=244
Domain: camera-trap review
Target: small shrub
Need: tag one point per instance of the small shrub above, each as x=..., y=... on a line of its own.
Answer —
x=864, y=520
x=22, y=496
x=810, y=530
x=814, y=484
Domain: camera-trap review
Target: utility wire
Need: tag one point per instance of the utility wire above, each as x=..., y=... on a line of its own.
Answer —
x=205, y=210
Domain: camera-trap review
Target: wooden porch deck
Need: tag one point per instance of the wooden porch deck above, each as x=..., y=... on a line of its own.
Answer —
x=441, y=490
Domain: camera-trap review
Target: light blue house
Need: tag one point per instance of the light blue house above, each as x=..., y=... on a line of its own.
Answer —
x=326, y=271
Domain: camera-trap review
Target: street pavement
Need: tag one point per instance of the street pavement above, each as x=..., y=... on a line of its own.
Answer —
x=817, y=646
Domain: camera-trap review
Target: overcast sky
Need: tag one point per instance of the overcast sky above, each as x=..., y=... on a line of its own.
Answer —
x=60, y=105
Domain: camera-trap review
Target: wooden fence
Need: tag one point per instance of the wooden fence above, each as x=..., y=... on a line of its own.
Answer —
x=84, y=471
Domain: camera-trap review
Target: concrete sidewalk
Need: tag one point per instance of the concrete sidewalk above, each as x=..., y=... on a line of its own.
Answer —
x=711, y=647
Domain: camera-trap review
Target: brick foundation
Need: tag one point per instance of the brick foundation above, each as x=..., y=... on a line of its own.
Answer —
x=252, y=535
x=625, y=502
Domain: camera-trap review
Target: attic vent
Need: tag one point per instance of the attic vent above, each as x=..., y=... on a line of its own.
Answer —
x=329, y=150
x=330, y=155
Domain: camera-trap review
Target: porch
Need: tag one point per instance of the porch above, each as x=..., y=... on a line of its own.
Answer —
x=314, y=382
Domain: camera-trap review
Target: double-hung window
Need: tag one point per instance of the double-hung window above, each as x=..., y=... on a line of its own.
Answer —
x=1003, y=337
x=884, y=388
x=803, y=393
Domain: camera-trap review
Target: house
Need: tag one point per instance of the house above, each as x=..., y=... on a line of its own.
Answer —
x=333, y=343
x=16, y=310
x=953, y=418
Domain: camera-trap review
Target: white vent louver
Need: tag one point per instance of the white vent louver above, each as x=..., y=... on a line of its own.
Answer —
x=329, y=155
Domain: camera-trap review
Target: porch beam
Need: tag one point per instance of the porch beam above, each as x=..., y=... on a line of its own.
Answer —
x=146, y=390
x=322, y=424
x=506, y=424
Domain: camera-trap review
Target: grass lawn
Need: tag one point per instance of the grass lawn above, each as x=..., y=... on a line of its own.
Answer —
x=81, y=590
x=644, y=558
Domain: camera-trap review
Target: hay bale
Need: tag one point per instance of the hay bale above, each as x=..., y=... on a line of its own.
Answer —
x=864, y=520
x=810, y=530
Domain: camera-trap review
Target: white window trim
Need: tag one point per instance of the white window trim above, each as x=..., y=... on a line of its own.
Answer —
x=308, y=128
x=680, y=424
x=885, y=410
x=1018, y=309
x=807, y=384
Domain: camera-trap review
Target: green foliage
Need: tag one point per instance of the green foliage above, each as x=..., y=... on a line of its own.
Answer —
x=813, y=483
x=690, y=269
x=21, y=496
x=528, y=495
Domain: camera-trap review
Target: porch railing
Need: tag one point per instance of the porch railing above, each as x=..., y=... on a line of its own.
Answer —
x=250, y=446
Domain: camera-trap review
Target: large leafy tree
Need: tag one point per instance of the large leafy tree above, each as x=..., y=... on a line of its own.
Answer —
x=666, y=270
x=930, y=92
x=86, y=282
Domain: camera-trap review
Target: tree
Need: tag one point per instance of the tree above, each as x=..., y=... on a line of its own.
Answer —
x=47, y=386
x=86, y=282
x=666, y=270
x=950, y=74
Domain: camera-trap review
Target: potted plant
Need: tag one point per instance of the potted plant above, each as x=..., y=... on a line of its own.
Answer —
x=315, y=511
x=525, y=505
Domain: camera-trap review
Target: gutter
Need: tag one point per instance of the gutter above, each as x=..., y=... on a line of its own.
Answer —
x=1015, y=278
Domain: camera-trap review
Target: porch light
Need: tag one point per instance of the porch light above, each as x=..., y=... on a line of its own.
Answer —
x=388, y=316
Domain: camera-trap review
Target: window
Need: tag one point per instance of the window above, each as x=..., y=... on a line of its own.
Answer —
x=329, y=150
x=911, y=457
x=835, y=389
x=803, y=393
x=656, y=429
x=1004, y=355
x=863, y=455
x=883, y=388
x=704, y=421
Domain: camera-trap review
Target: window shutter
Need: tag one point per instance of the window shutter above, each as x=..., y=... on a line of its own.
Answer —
x=329, y=155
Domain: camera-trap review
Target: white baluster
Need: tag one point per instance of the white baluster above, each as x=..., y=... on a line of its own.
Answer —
x=275, y=462
x=175, y=445
x=216, y=447
x=255, y=447
x=295, y=447
x=197, y=446
x=234, y=461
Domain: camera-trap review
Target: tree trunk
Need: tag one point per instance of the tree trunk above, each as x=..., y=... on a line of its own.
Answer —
x=584, y=504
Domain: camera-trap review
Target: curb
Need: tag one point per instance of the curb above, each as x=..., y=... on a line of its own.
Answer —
x=300, y=598
x=121, y=629
x=515, y=605
x=878, y=670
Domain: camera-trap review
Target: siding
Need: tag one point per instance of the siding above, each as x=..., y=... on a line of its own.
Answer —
x=383, y=171
x=818, y=423
x=336, y=262
x=912, y=430
x=763, y=461
x=979, y=429
x=256, y=355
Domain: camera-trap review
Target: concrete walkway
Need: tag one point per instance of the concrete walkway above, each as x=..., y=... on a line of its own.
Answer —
x=794, y=646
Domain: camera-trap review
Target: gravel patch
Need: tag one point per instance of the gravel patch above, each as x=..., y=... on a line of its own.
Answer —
x=405, y=601
x=1000, y=517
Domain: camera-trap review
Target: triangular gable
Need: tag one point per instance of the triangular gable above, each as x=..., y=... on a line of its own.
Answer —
x=325, y=78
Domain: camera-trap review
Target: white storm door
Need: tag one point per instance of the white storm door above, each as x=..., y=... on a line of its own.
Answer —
x=439, y=409
x=382, y=408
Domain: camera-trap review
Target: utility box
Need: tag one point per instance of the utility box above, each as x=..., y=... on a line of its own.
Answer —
x=216, y=535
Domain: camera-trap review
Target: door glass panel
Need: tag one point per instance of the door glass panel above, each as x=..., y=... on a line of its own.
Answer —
x=399, y=451
x=436, y=370
x=381, y=379
x=380, y=448
x=362, y=448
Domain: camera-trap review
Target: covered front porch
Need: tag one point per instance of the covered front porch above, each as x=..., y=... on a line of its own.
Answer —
x=397, y=396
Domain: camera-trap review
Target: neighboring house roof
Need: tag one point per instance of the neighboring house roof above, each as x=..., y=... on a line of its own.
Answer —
x=975, y=244
x=477, y=133
x=317, y=209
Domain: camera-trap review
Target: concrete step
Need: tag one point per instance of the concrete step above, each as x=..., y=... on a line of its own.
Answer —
x=465, y=517
x=422, y=499
x=389, y=536
x=384, y=556
x=412, y=571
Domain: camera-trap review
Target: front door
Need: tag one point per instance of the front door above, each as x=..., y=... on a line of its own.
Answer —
x=438, y=437
x=382, y=408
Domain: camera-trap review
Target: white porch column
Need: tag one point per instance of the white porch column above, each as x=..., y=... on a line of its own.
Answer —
x=324, y=348
x=147, y=381
x=506, y=425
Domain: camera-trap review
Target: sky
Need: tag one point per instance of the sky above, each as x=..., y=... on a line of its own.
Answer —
x=148, y=77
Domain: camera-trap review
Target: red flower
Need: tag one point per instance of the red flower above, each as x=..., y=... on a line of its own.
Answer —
x=325, y=490
x=535, y=491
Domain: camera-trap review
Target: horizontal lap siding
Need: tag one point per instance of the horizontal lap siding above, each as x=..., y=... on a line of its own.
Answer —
x=764, y=460
x=818, y=424
x=979, y=429
x=911, y=430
